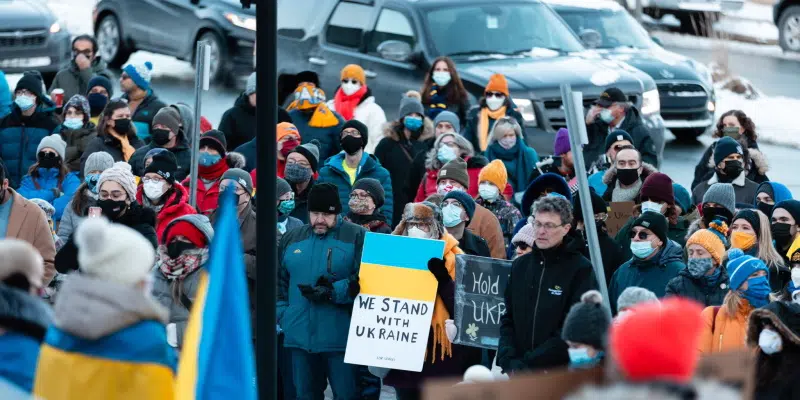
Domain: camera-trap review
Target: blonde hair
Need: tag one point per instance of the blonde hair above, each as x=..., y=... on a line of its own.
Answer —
x=766, y=251
x=731, y=303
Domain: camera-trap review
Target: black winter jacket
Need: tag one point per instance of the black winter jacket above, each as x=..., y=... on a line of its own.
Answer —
x=632, y=124
x=239, y=123
x=542, y=287
x=755, y=163
x=181, y=151
x=685, y=285
x=611, y=251
x=110, y=145
x=474, y=245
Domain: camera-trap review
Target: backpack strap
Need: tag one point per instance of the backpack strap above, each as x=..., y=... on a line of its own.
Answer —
x=714, y=319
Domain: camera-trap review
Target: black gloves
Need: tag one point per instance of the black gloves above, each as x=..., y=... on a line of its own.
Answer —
x=353, y=287
x=439, y=270
x=321, y=291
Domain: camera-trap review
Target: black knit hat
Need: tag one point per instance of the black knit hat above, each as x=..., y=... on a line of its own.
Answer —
x=216, y=140
x=655, y=222
x=751, y=217
x=792, y=206
x=32, y=82
x=324, y=198
x=360, y=127
x=164, y=164
x=598, y=205
x=587, y=322
x=725, y=147
x=307, y=76
x=374, y=188
x=283, y=115
x=617, y=135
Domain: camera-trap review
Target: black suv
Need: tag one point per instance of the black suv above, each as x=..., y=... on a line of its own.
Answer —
x=396, y=40
x=173, y=27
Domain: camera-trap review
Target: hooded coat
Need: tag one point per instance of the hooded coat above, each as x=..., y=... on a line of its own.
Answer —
x=25, y=319
x=175, y=206
x=370, y=114
x=76, y=81
x=685, y=285
x=632, y=123
x=239, y=123
x=756, y=164
x=722, y=332
x=20, y=137
x=107, y=336
x=77, y=142
x=47, y=182
x=334, y=173
x=652, y=274
x=780, y=382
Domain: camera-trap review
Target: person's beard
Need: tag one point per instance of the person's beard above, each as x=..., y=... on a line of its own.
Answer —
x=321, y=229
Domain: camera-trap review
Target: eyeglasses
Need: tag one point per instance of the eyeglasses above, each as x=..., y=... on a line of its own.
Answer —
x=642, y=235
x=419, y=225
x=351, y=81
x=600, y=217
x=495, y=94
x=351, y=132
x=523, y=246
x=124, y=76
x=302, y=164
x=87, y=53
x=159, y=180
x=546, y=226
x=356, y=196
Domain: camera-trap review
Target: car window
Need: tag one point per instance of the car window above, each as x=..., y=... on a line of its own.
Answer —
x=616, y=28
x=391, y=25
x=347, y=25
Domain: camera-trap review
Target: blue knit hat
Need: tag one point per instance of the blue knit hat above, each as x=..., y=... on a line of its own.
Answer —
x=682, y=198
x=140, y=74
x=466, y=201
x=776, y=190
x=741, y=266
x=547, y=181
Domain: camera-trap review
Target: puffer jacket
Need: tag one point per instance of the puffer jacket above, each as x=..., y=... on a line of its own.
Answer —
x=43, y=188
x=238, y=123
x=370, y=114
x=20, y=137
x=685, y=285
x=327, y=137
x=722, y=332
x=76, y=81
x=334, y=173
x=175, y=206
x=145, y=112
x=25, y=319
x=5, y=96
x=652, y=274
x=162, y=286
x=303, y=258
x=77, y=142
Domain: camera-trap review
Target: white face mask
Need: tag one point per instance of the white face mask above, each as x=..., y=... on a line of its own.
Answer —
x=770, y=341
x=651, y=206
x=444, y=189
x=415, y=232
x=153, y=190
x=350, y=88
x=488, y=192
x=796, y=277
x=494, y=103
x=442, y=78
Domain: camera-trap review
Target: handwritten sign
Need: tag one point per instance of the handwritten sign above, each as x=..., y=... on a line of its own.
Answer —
x=392, y=314
x=480, y=285
x=618, y=215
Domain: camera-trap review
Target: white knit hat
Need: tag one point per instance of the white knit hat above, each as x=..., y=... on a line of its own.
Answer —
x=54, y=142
x=113, y=252
x=21, y=257
x=120, y=173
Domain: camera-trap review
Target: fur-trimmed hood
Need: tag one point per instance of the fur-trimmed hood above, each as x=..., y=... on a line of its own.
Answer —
x=702, y=389
x=611, y=174
x=695, y=226
x=392, y=130
x=425, y=213
x=784, y=316
x=234, y=159
x=432, y=161
x=759, y=161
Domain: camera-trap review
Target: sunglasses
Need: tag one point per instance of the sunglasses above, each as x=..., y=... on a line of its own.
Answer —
x=642, y=235
x=495, y=95
x=523, y=246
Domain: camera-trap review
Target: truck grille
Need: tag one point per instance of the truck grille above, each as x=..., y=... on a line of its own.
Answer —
x=677, y=96
x=22, y=38
x=555, y=113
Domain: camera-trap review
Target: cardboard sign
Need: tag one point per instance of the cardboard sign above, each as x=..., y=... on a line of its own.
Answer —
x=392, y=314
x=480, y=285
x=618, y=215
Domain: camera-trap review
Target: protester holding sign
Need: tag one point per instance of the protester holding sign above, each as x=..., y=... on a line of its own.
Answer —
x=775, y=331
x=541, y=288
x=585, y=331
x=704, y=279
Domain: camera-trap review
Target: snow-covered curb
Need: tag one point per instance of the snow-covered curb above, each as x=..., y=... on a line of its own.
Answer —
x=774, y=116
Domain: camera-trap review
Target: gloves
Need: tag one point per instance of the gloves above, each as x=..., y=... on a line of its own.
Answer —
x=172, y=335
x=321, y=291
x=353, y=287
x=438, y=269
x=450, y=329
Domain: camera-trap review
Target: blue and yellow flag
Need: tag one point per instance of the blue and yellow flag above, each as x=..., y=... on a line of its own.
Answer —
x=217, y=358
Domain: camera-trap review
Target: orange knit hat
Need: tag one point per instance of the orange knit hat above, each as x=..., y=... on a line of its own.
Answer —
x=354, y=71
x=286, y=128
x=497, y=83
x=712, y=239
x=494, y=172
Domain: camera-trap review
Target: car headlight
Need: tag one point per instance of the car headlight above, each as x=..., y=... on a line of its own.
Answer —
x=711, y=106
x=55, y=28
x=242, y=21
x=651, y=103
x=525, y=107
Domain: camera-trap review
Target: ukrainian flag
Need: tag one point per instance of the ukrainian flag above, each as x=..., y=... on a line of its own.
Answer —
x=217, y=358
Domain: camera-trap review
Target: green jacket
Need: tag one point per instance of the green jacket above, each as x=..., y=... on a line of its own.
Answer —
x=75, y=81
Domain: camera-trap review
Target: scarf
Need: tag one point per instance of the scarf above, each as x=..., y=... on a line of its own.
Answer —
x=440, y=314
x=309, y=97
x=127, y=149
x=517, y=161
x=179, y=268
x=483, y=124
x=214, y=171
x=438, y=99
x=629, y=194
x=346, y=105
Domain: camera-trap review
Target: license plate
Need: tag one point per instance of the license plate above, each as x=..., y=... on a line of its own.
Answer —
x=25, y=62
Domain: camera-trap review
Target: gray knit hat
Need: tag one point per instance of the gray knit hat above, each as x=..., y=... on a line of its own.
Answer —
x=374, y=188
x=448, y=116
x=410, y=105
x=633, y=295
x=722, y=194
x=587, y=322
x=282, y=189
x=310, y=151
x=120, y=173
x=250, y=88
x=241, y=177
x=98, y=161
x=54, y=142
x=169, y=117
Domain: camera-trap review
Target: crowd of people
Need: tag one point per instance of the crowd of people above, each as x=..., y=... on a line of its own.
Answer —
x=96, y=220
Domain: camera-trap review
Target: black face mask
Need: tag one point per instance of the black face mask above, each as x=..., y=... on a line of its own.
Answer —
x=782, y=233
x=627, y=176
x=48, y=160
x=97, y=102
x=112, y=209
x=351, y=144
x=765, y=208
x=733, y=169
x=177, y=247
x=160, y=136
x=712, y=213
x=122, y=126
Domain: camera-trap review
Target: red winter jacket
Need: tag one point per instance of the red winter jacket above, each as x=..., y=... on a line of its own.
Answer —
x=177, y=205
x=428, y=185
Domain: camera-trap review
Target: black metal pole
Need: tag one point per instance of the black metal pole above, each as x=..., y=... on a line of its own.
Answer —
x=266, y=151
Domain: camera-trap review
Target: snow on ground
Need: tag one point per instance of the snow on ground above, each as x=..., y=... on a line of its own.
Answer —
x=774, y=116
x=699, y=43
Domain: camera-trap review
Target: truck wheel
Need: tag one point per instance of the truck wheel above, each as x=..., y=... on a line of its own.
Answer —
x=110, y=44
x=789, y=29
x=218, y=70
x=688, y=134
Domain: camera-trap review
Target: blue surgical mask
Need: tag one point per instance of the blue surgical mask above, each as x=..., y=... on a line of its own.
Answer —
x=412, y=123
x=757, y=292
x=451, y=215
x=579, y=358
x=24, y=102
x=606, y=116
x=73, y=123
x=651, y=206
x=286, y=207
x=446, y=154
x=642, y=249
x=91, y=182
x=208, y=159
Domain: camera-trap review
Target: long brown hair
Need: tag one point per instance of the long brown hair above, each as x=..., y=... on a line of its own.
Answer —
x=105, y=116
x=33, y=171
x=456, y=94
x=80, y=200
x=747, y=125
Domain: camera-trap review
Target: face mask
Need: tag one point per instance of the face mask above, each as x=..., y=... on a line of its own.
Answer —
x=446, y=154
x=712, y=213
x=112, y=209
x=699, y=267
x=208, y=159
x=350, y=88
x=757, y=292
x=488, y=192
x=351, y=144
x=651, y=206
x=177, y=247
x=412, y=123
x=160, y=136
x=24, y=102
x=91, y=182
x=606, y=116
x=73, y=123
x=796, y=277
x=153, y=190
x=442, y=78
x=288, y=146
x=97, y=102
x=495, y=103
x=508, y=142
x=285, y=207
x=642, y=249
x=732, y=131
x=770, y=341
x=579, y=358
x=627, y=176
x=743, y=240
x=48, y=160
x=415, y=232
x=765, y=208
x=444, y=189
x=782, y=233
x=451, y=215
x=733, y=169
x=294, y=173
x=122, y=126
x=360, y=207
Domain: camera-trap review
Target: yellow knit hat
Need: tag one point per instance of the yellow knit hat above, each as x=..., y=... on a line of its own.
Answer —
x=494, y=172
x=353, y=71
x=712, y=239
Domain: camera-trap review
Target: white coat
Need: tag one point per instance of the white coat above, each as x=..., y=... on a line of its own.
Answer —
x=370, y=114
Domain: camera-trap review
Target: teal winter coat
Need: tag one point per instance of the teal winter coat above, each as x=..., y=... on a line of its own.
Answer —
x=370, y=167
x=653, y=274
x=47, y=181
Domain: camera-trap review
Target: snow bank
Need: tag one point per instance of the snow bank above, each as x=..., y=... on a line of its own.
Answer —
x=699, y=43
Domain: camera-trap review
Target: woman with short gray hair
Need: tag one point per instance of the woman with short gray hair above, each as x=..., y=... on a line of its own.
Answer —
x=507, y=144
